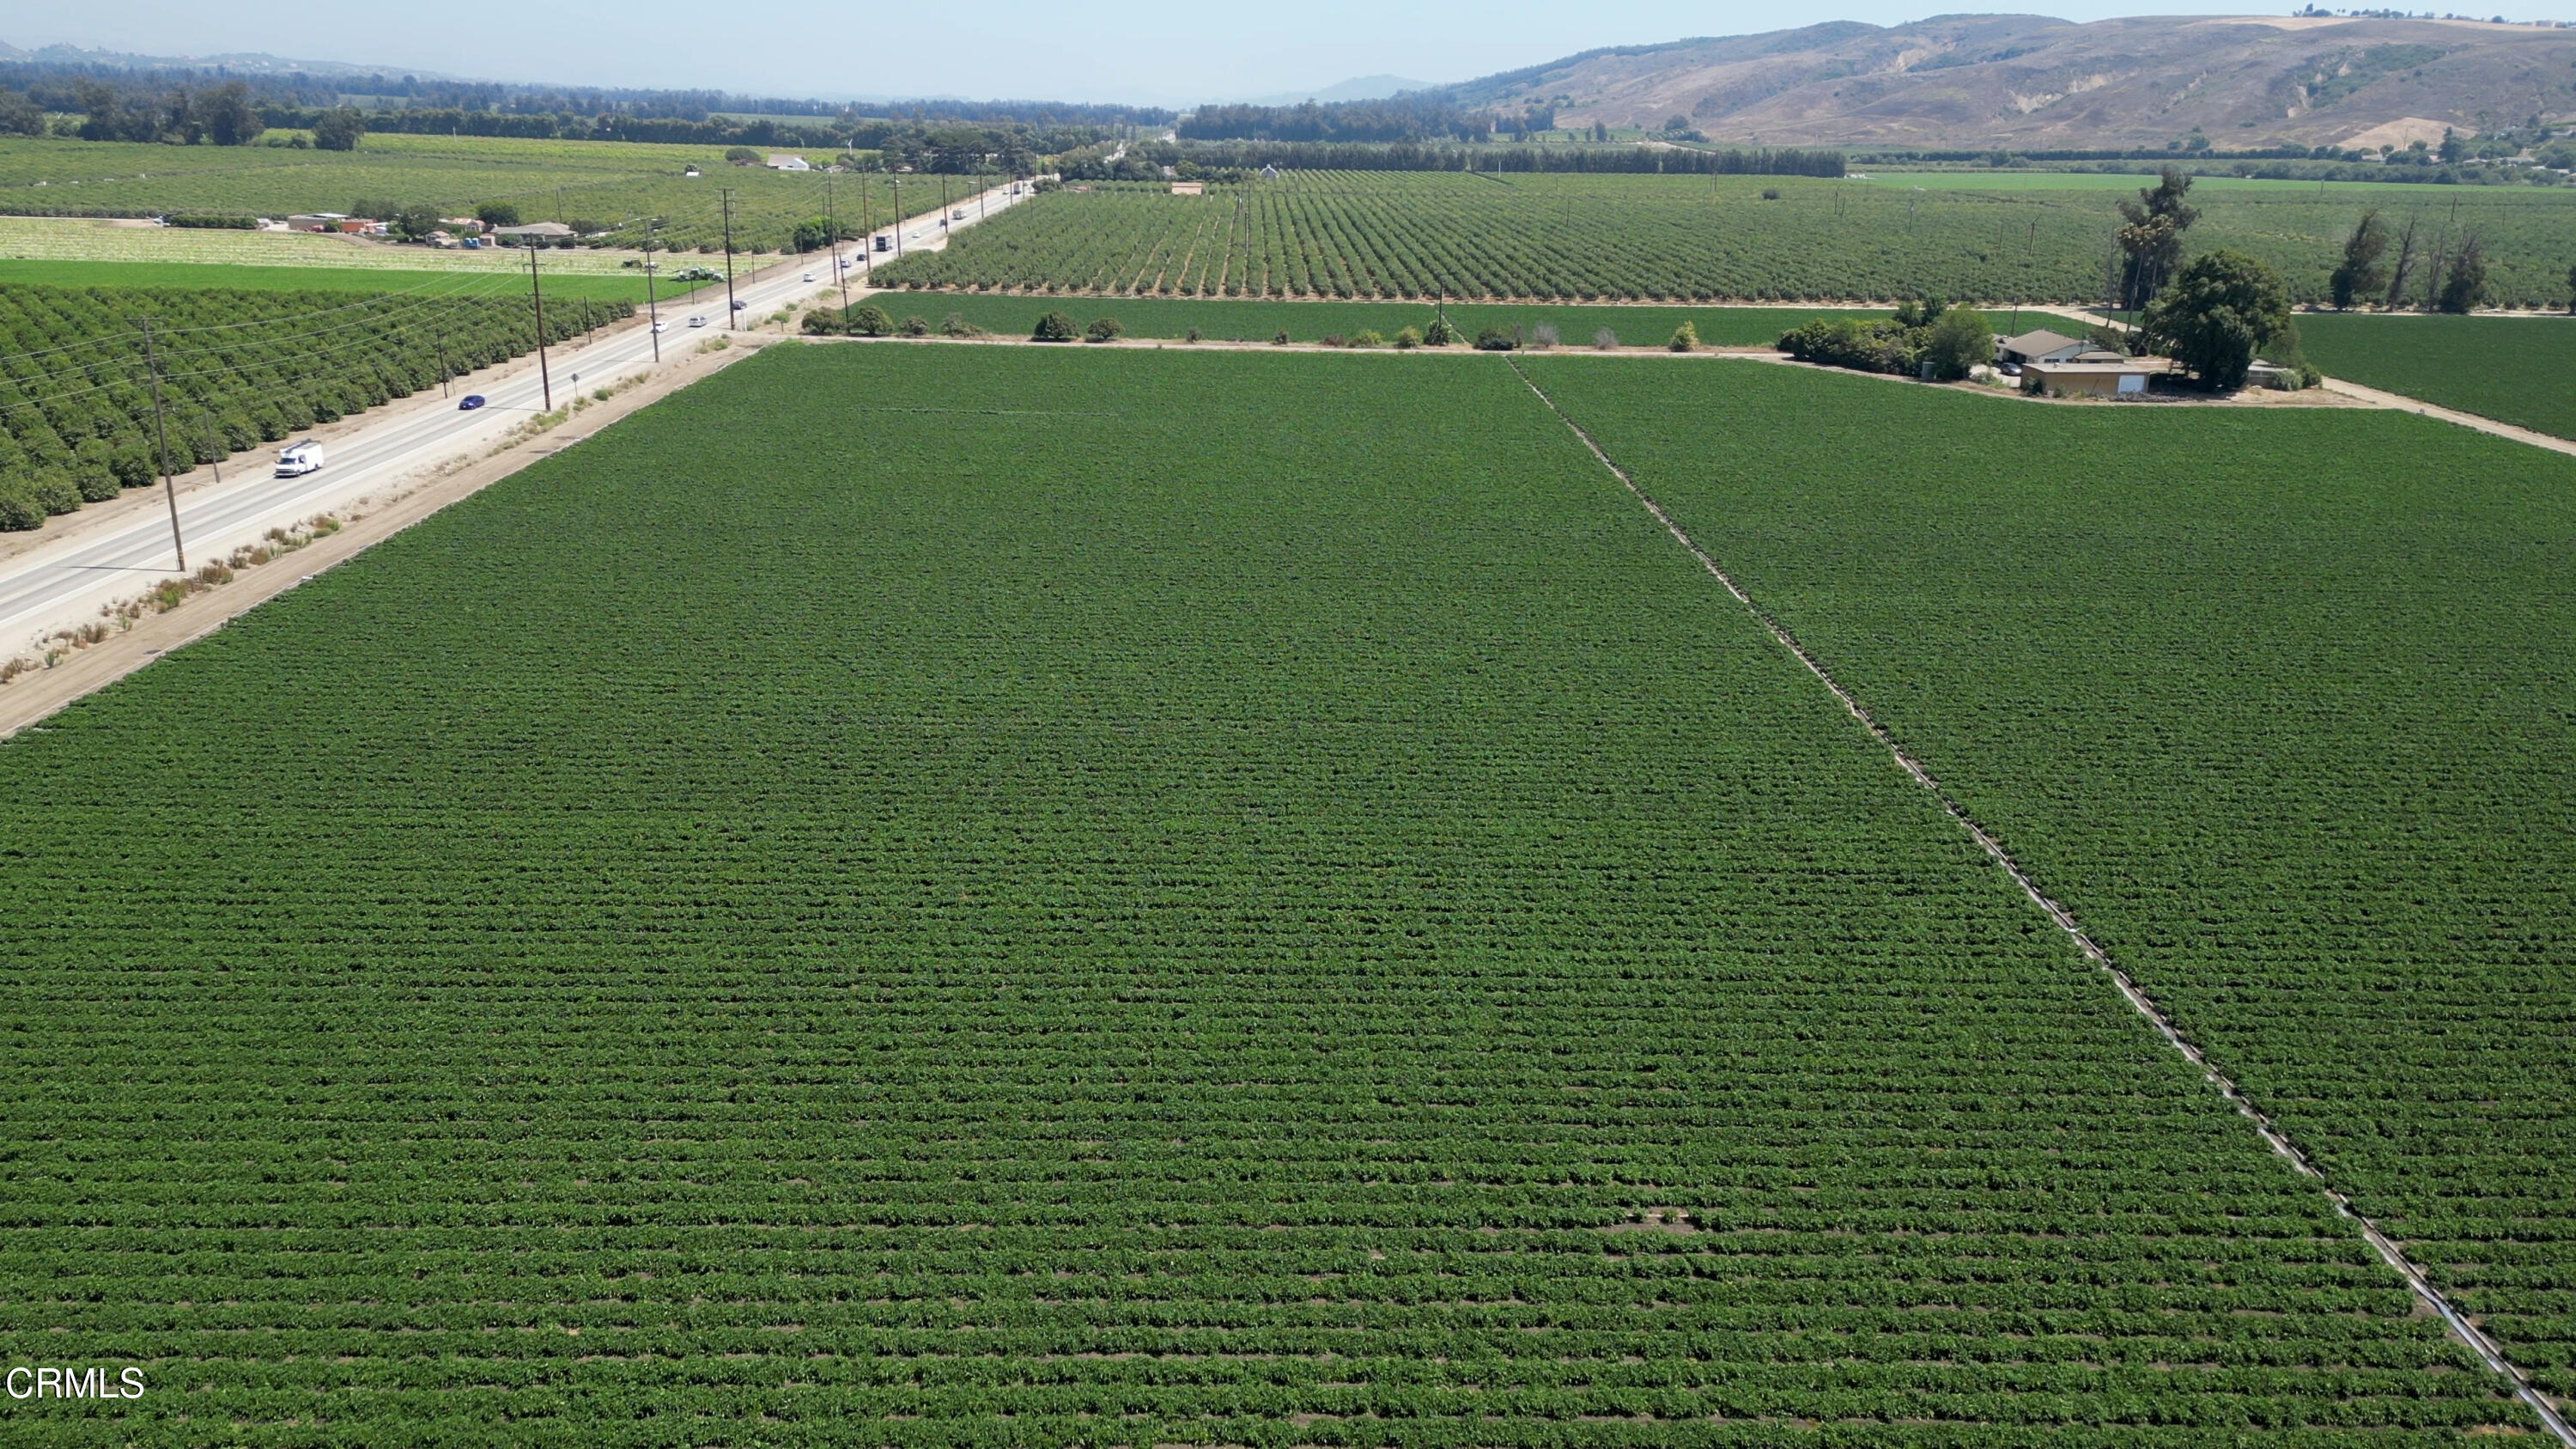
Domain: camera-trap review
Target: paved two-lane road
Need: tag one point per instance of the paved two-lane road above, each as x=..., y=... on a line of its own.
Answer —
x=54, y=587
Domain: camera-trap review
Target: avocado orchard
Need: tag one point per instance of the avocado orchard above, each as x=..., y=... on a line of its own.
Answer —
x=236, y=368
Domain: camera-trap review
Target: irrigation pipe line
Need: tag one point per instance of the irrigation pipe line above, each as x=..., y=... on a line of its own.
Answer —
x=2487, y=1350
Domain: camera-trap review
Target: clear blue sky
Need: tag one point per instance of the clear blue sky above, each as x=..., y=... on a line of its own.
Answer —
x=1154, y=52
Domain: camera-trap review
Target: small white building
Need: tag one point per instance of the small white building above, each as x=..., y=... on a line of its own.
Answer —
x=779, y=161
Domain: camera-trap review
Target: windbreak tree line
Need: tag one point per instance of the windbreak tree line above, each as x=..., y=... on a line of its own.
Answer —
x=1403, y=118
x=2454, y=279
x=1215, y=159
x=237, y=368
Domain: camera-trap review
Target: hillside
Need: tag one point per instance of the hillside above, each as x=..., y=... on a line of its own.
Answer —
x=2030, y=82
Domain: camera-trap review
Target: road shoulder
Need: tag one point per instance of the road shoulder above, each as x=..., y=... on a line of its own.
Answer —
x=35, y=695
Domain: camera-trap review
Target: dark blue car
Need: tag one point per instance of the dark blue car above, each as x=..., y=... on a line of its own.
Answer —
x=471, y=401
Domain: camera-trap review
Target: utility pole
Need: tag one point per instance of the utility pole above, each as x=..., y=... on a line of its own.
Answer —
x=214, y=448
x=832, y=224
x=732, y=313
x=538, y=295
x=161, y=430
x=898, y=216
x=652, y=306
x=442, y=369
x=867, y=232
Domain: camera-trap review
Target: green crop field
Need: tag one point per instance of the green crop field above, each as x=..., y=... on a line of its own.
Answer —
x=2280, y=706
x=1099, y=897
x=1223, y=319
x=619, y=184
x=2513, y=369
x=236, y=368
x=2372, y=193
x=1595, y=237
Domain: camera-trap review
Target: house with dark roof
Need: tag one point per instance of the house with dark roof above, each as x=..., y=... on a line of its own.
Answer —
x=2040, y=346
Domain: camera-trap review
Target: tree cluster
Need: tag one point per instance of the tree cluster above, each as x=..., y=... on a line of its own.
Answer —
x=2456, y=279
x=2151, y=240
x=1403, y=118
x=221, y=114
x=968, y=150
x=2222, y=310
x=1951, y=339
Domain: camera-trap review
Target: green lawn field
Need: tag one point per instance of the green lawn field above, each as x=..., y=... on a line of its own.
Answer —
x=1103, y=896
x=2513, y=369
x=2280, y=705
x=1259, y=321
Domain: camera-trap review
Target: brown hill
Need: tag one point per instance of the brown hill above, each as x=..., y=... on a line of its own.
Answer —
x=2027, y=82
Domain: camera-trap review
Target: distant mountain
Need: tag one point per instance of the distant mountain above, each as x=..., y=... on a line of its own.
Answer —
x=238, y=63
x=2027, y=82
x=1358, y=88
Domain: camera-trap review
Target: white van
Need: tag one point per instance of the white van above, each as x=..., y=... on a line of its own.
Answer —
x=297, y=459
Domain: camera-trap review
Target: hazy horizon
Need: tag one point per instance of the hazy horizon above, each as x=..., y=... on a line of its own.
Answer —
x=1161, y=54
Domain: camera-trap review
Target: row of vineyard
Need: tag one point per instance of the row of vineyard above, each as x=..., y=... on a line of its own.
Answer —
x=1367, y=234
x=237, y=368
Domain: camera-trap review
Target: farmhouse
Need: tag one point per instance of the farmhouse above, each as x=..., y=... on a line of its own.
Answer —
x=782, y=162
x=2040, y=346
x=2095, y=374
x=535, y=231
x=317, y=220
x=1189, y=188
